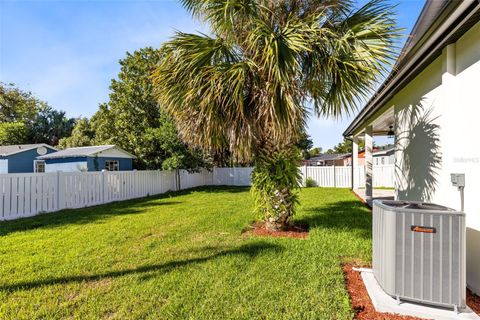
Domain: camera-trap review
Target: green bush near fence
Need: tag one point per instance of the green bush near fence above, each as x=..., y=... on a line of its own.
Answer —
x=309, y=183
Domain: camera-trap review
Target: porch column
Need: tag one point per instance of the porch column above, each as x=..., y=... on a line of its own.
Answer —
x=354, y=163
x=368, y=164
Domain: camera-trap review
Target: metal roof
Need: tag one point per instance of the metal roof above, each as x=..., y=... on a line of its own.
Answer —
x=328, y=157
x=439, y=24
x=17, y=148
x=384, y=150
x=82, y=152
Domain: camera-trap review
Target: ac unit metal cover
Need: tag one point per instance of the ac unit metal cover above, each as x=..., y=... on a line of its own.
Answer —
x=419, y=252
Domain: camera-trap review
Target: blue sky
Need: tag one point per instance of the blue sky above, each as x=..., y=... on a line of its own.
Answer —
x=66, y=51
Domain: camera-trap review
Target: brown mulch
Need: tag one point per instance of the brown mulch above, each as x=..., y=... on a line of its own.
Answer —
x=473, y=301
x=363, y=307
x=360, y=300
x=298, y=231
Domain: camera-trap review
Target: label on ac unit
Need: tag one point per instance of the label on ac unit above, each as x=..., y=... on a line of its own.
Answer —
x=423, y=229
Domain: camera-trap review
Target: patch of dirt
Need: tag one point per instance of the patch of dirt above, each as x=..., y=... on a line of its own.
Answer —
x=360, y=300
x=152, y=235
x=298, y=231
x=473, y=301
x=363, y=306
x=361, y=200
x=99, y=283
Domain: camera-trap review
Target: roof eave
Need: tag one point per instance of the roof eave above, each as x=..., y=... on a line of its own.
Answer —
x=422, y=53
x=28, y=149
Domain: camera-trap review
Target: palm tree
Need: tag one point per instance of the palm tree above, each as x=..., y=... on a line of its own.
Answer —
x=266, y=65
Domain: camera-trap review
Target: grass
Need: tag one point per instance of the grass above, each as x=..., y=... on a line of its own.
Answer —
x=182, y=256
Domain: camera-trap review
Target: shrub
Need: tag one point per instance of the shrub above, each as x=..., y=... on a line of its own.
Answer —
x=309, y=182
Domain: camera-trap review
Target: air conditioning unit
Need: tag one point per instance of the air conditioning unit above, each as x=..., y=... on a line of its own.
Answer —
x=419, y=252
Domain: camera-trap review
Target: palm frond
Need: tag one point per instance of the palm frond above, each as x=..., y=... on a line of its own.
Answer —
x=251, y=81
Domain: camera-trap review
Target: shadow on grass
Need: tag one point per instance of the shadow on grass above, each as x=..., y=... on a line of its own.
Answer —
x=100, y=212
x=341, y=215
x=81, y=215
x=214, y=189
x=250, y=251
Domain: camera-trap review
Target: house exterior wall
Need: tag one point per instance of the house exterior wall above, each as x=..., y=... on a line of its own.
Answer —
x=73, y=164
x=123, y=163
x=348, y=161
x=79, y=164
x=384, y=159
x=22, y=162
x=3, y=166
x=436, y=123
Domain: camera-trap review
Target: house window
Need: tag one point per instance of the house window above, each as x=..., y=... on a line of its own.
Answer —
x=383, y=160
x=111, y=165
x=39, y=166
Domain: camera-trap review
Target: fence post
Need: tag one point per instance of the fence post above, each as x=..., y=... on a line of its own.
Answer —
x=304, y=175
x=334, y=176
x=58, y=190
x=235, y=178
x=177, y=179
x=103, y=186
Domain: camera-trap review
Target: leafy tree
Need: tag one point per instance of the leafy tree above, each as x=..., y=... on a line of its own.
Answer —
x=133, y=120
x=247, y=86
x=315, y=151
x=40, y=123
x=13, y=133
x=82, y=135
x=17, y=105
x=345, y=147
x=50, y=125
x=165, y=149
x=102, y=124
x=304, y=144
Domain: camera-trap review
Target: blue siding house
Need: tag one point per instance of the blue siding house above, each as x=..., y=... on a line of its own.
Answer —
x=21, y=158
x=94, y=158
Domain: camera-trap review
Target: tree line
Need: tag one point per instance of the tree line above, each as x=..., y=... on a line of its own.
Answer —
x=26, y=119
x=131, y=119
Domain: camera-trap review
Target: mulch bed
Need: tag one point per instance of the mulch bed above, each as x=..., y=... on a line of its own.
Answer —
x=360, y=300
x=473, y=301
x=361, y=199
x=363, y=307
x=298, y=231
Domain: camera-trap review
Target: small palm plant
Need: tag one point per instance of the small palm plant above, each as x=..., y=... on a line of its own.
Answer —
x=266, y=65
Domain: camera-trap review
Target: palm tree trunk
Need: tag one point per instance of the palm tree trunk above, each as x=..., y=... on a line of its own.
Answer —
x=282, y=210
x=274, y=180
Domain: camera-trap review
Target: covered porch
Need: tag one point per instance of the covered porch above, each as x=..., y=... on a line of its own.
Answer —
x=382, y=125
x=377, y=194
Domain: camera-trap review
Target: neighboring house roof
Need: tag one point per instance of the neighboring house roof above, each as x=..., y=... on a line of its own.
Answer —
x=83, y=152
x=384, y=151
x=328, y=157
x=17, y=148
x=439, y=24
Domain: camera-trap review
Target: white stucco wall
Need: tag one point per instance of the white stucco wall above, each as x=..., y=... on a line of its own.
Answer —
x=3, y=166
x=66, y=167
x=437, y=121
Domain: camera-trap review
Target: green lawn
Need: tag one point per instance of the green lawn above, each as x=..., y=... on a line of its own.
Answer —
x=182, y=256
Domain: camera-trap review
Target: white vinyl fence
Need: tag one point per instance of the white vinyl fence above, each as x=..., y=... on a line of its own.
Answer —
x=28, y=194
x=341, y=177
